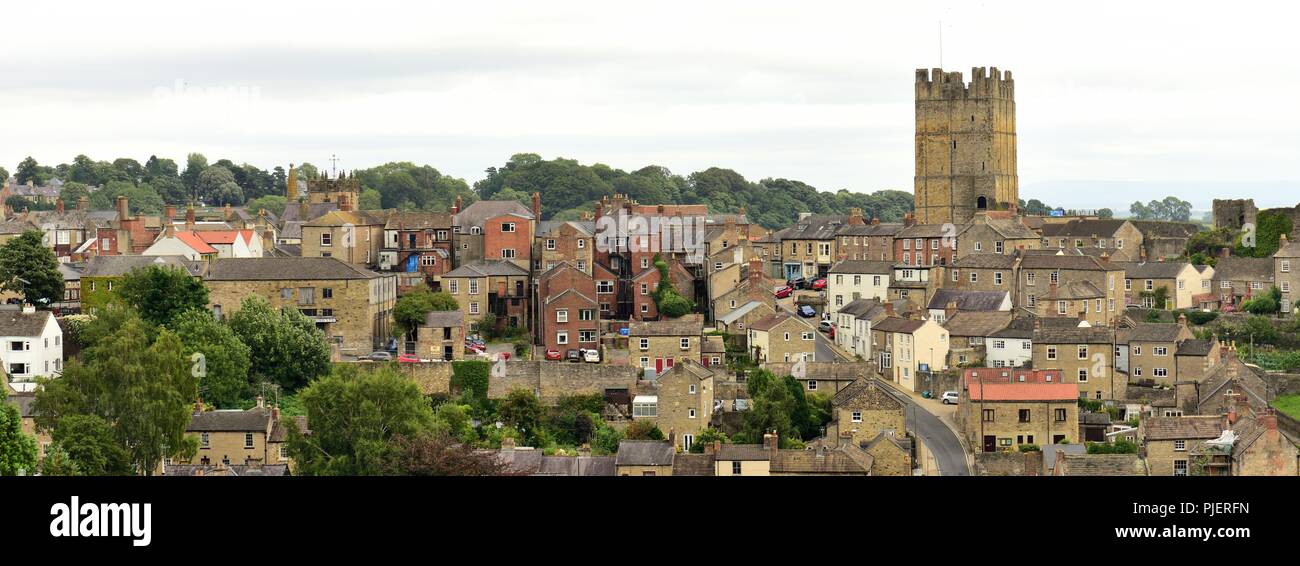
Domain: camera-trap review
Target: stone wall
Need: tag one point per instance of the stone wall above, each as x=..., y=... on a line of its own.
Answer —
x=552, y=380
x=1008, y=463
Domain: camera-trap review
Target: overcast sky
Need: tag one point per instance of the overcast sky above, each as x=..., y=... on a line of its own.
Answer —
x=1115, y=101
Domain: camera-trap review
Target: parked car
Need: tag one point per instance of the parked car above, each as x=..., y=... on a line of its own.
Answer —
x=554, y=355
x=408, y=359
x=591, y=356
x=573, y=356
x=784, y=292
x=949, y=398
x=806, y=311
x=797, y=283
x=825, y=326
x=381, y=356
x=819, y=284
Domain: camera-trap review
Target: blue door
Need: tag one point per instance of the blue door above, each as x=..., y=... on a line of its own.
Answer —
x=793, y=271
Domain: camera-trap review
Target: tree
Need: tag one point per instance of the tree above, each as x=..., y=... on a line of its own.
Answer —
x=89, y=443
x=285, y=346
x=272, y=204
x=170, y=189
x=142, y=199
x=1105, y=213
x=355, y=416
x=521, y=411
x=29, y=171
x=144, y=391
x=159, y=293
x=58, y=463
x=437, y=455
x=371, y=200
x=223, y=361
x=411, y=308
x=195, y=165
x=212, y=183
x=642, y=430
x=28, y=267
x=72, y=193
x=17, y=449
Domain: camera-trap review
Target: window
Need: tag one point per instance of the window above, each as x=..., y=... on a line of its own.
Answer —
x=999, y=344
x=735, y=468
x=19, y=346
x=19, y=369
x=453, y=286
x=1051, y=352
x=979, y=246
x=604, y=287
x=645, y=409
x=857, y=416
x=997, y=278
x=1024, y=415
x=645, y=289
x=1180, y=445
x=507, y=253
x=586, y=335
x=1180, y=467
x=1160, y=372
x=907, y=244
x=248, y=440
x=1060, y=415
x=1060, y=307
x=988, y=415
x=812, y=384
x=974, y=277
x=507, y=226
x=586, y=314
x=1083, y=352
x=1083, y=376
x=205, y=441
x=807, y=336
x=1160, y=351
x=562, y=315
x=326, y=239
x=955, y=277
x=550, y=244
x=1032, y=300
x=645, y=262
x=1029, y=279
x=1054, y=277
x=1286, y=266
x=473, y=308
x=686, y=343
x=645, y=344
x=934, y=244
x=473, y=286
x=691, y=389
x=1128, y=284
x=997, y=247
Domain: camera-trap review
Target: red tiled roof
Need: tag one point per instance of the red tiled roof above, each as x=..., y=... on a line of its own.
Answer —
x=1012, y=375
x=1024, y=392
x=225, y=236
x=192, y=240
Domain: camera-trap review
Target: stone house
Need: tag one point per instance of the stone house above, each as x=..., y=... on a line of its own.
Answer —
x=103, y=272
x=869, y=241
x=1238, y=278
x=1071, y=279
x=737, y=321
x=807, y=248
x=741, y=459
x=781, y=337
x=441, y=337
x=1180, y=280
x=1261, y=449
x=750, y=285
x=985, y=272
x=471, y=225
x=497, y=288
x=1145, y=351
x=1003, y=409
x=997, y=233
x=661, y=344
x=1099, y=465
x=853, y=325
x=418, y=244
x=915, y=284
x=354, y=237
x=1194, y=358
x=1012, y=345
x=351, y=305
x=850, y=280
x=1086, y=357
x=969, y=333
x=1119, y=237
x=1286, y=272
x=1168, y=443
x=242, y=437
x=948, y=302
x=862, y=411
x=685, y=402
x=644, y=458
x=928, y=244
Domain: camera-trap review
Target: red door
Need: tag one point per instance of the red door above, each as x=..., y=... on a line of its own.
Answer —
x=668, y=364
x=659, y=365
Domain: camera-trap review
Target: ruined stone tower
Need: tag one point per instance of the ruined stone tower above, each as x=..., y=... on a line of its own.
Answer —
x=965, y=144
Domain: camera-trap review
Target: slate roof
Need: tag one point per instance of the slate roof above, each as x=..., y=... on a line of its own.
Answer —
x=443, y=319
x=644, y=453
x=24, y=402
x=584, y=466
x=1074, y=262
x=1161, y=229
x=931, y=231
x=480, y=211
x=863, y=266
x=1148, y=332
x=1075, y=290
x=860, y=386
x=693, y=465
x=280, y=429
x=882, y=229
x=1019, y=327
x=979, y=301
x=977, y=323
x=823, y=461
x=1195, y=347
x=314, y=211
x=487, y=268
x=119, y=265
x=1288, y=247
x=686, y=326
x=1083, y=228
x=1244, y=269
x=1075, y=335
x=772, y=321
x=815, y=227
x=1101, y=465
x=284, y=268
x=583, y=227
x=418, y=220
x=1182, y=428
x=985, y=261
x=740, y=311
x=896, y=324
x=18, y=323
x=252, y=420
x=860, y=307
x=745, y=452
x=1011, y=229
x=1151, y=269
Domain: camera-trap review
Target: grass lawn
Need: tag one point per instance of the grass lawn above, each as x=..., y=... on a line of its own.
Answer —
x=1289, y=404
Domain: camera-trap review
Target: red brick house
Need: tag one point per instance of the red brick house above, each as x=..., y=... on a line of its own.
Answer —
x=924, y=244
x=568, y=312
x=643, y=286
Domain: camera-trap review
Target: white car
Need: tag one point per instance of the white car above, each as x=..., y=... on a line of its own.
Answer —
x=949, y=398
x=591, y=356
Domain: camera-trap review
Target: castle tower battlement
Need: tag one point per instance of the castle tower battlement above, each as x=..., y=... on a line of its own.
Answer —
x=965, y=144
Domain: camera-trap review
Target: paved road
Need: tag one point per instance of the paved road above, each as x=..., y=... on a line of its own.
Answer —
x=938, y=437
x=825, y=352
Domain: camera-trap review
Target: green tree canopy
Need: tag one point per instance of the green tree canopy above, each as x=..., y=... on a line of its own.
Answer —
x=159, y=293
x=285, y=346
x=411, y=308
x=221, y=359
x=17, y=449
x=89, y=443
x=28, y=267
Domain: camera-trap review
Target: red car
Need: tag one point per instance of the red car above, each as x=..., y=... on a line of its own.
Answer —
x=819, y=284
x=554, y=355
x=784, y=292
x=408, y=359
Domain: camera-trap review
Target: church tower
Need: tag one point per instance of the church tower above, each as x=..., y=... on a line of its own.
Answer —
x=965, y=145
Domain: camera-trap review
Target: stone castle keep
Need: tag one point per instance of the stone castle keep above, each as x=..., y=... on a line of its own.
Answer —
x=965, y=144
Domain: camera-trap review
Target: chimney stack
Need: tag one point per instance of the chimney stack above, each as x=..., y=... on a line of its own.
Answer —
x=455, y=207
x=58, y=205
x=909, y=220
x=875, y=220
x=855, y=217
x=345, y=204
x=123, y=211
x=949, y=310
x=771, y=441
x=889, y=308
x=291, y=185
x=304, y=209
x=225, y=212
x=169, y=212
x=537, y=206
x=83, y=203
x=755, y=269
x=189, y=217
